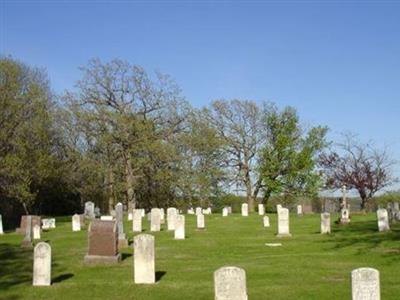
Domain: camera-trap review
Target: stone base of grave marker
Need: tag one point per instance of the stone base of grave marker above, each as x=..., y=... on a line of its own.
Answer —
x=98, y=259
x=26, y=244
x=281, y=235
x=122, y=243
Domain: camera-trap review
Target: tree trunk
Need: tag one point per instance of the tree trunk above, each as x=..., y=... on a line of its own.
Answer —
x=249, y=189
x=110, y=190
x=130, y=181
x=25, y=208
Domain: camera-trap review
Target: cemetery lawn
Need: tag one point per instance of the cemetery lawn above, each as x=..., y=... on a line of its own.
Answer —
x=308, y=265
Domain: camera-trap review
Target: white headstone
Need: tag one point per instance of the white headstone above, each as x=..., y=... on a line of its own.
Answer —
x=76, y=222
x=229, y=209
x=283, y=223
x=137, y=220
x=365, y=284
x=383, y=219
x=266, y=221
x=180, y=227
x=106, y=218
x=144, y=256
x=230, y=284
x=200, y=222
x=1, y=225
x=162, y=215
x=190, y=211
x=225, y=212
x=171, y=217
x=199, y=211
x=278, y=207
x=261, y=209
x=89, y=210
x=130, y=216
x=42, y=264
x=245, y=209
x=36, y=232
x=155, y=219
x=143, y=212
x=119, y=216
x=299, y=210
x=345, y=216
x=325, y=223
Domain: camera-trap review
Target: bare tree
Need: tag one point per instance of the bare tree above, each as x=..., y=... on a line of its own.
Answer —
x=359, y=166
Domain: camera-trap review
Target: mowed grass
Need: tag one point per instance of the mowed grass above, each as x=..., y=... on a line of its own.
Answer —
x=308, y=265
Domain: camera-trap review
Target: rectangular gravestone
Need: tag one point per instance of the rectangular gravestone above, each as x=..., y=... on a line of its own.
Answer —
x=36, y=232
x=245, y=209
x=225, y=212
x=230, y=284
x=119, y=217
x=383, y=220
x=261, y=209
x=106, y=218
x=266, y=221
x=325, y=223
x=1, y=225
x=180, y=227
x=42, y=264
x=199, y=211
x=190, y=211
x=144, y=259
x=283, y=223
x=345, y=216
x=299, y=210
x=35, y=220
x=102, y=242
x=155, y=221
x=365, y=284
x=89, y=210
x=76, y=222
x=137, y=220
x=171, y=218
x=200, y=222
x=27, y=241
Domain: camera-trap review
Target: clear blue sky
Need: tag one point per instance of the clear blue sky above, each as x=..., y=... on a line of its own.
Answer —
x=338, y=63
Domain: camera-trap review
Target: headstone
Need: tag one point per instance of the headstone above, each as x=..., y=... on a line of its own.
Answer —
x=261, y=209
x=143, y=212
x=36, y=232
x=283, y=223
x=113, y=213
x=1, y=225
x=35, y=220
x=245, y=209
x=229, y=209
x=162, y=216
x=119, y=217
x=299, y=210
x=155, y=219
x=48, y=223
x=137, y=220
x=89, y=210
x=225, y=212
x=27, y=241
x=42, y=264
x=97, y=212
x=144, y=265
x=190, y=211
x=103, y=242
x=199, y=211
x=383, y=219
x=171, y=217
x=278, y=207
x=106, y=218
x=230, y=284
x=130, y=216
x=365, y=284
x=266, y=221
x=200, y=222
x=180, y=227
x=344, y=216
x=76, y=222
x=325, y=223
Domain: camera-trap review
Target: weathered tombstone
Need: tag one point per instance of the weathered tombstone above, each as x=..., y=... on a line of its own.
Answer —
x=229, y=209
x=130, y=216
x=35, y=220
x=283, y=223
x=299, y=210
x=245, y=209
x=278, y=207
x=1, y=225
x=119, y=211
x=137, y=220
x=345, y=209
x=171, y=217
x=261, y=209
x=42, y=264
x=97, y=212
x=199, y=211
x=89, y=210
x=144, y=265
x=383, y=219
x=155, y=219
x=225, y=212
x=180, y=227
x=143, y=212
x=190, y=211
x=76, y=222
x=325, y=223
x=230, y=284
x=27, y=241
x=106, y=218
x=48, y=223
x=36, y=232
x=103, y=242
x=365, y=284
x=266, y=221
x=200, y=222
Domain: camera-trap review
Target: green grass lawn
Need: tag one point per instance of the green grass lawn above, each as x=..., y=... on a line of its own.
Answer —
x=307, y=266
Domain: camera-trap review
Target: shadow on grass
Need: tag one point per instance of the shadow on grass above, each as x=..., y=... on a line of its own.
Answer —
x=125, y=255
x=16, y=266
x=62, y=277
x=159, y=275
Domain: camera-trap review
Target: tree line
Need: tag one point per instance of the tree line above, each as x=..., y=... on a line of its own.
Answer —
x=126, y=135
